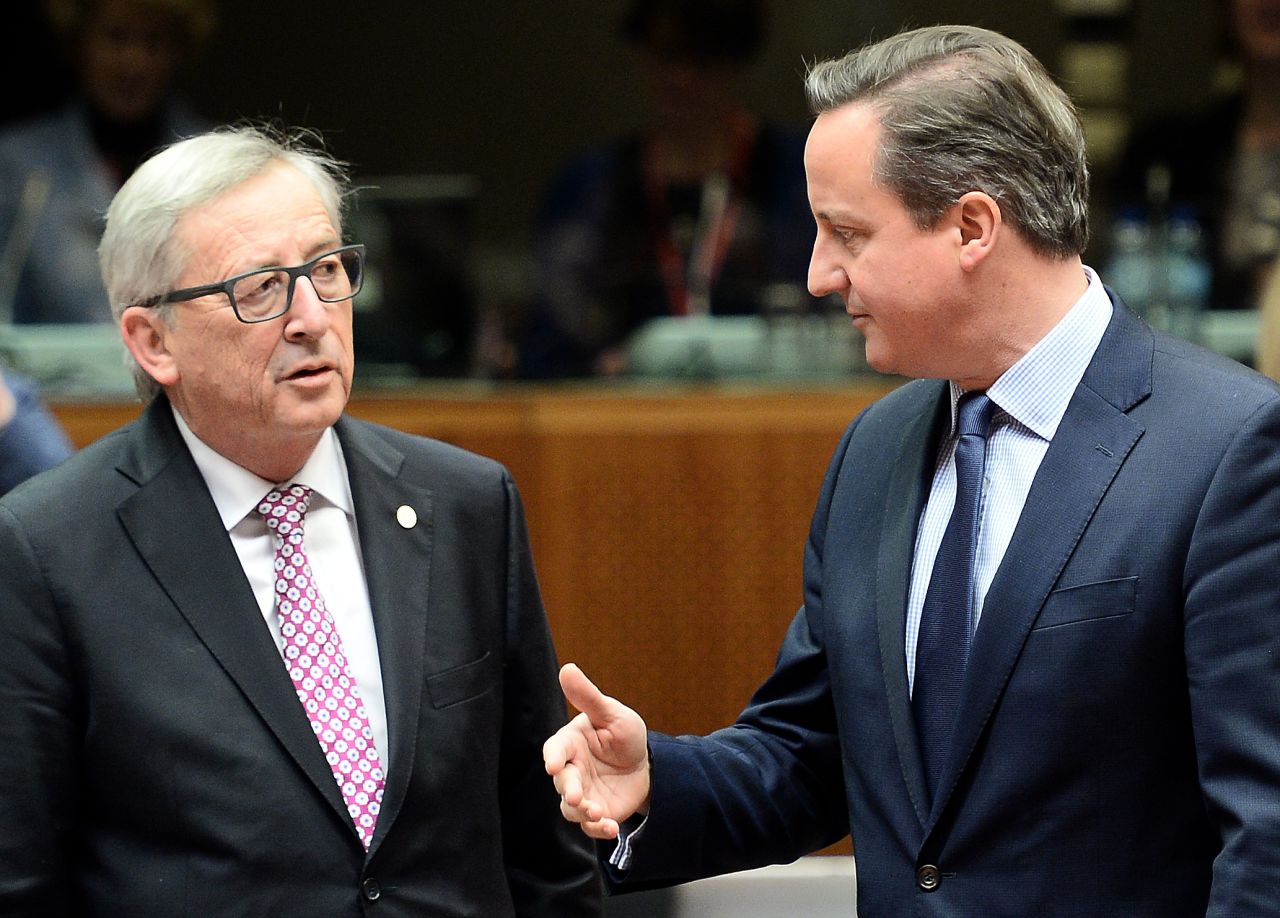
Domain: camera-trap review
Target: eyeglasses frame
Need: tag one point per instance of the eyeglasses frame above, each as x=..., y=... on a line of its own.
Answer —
x=227, y=286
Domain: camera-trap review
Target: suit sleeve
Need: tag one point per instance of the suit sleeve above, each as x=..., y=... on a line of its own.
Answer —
x=38, y=736
x=770, y=788
x=1232, y=645
x=550, y=865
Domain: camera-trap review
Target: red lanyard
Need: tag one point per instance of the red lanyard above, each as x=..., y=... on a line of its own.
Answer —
x=689, y=289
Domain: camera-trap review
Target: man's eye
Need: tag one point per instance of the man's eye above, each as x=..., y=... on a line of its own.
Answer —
x=267, y=284
x=259, y=287
x=326, y=269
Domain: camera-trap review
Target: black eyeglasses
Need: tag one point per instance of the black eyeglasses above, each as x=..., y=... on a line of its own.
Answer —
x=267, y=293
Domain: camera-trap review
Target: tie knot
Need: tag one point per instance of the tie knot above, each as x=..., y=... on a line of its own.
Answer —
x=973, y=414
x=284, y=509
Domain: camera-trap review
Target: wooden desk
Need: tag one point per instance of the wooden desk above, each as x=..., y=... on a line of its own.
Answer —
x=668, y=525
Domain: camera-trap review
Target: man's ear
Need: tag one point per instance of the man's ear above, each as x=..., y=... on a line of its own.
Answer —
x=146, y=335
x=980, y=224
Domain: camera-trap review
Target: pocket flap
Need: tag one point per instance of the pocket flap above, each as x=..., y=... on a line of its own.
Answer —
x=1088, y=602
x=461, y=682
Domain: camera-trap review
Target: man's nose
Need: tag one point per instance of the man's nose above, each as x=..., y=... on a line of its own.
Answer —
x=308, y=315
x=825, y=274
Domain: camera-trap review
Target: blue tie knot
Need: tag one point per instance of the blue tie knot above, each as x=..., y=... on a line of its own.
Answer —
x=973, y=414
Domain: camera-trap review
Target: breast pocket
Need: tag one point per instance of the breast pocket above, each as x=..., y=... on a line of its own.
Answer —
x=462, y=683
x=1088, y=602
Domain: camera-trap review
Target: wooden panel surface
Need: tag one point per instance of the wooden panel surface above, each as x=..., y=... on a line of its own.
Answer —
x=668, y=526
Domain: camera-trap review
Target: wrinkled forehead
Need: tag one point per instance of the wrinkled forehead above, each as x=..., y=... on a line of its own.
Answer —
x=279, y=187
x=267, y=218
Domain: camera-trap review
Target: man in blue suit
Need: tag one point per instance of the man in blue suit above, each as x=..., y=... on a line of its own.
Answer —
x=1037, y=668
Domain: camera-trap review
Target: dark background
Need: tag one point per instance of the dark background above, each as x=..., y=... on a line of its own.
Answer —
x=503, y=90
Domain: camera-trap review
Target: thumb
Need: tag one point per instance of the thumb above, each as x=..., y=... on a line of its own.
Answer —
x=582, y=693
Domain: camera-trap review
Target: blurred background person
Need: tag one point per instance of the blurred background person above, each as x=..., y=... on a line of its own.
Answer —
x=58, y=171
x=31, y=440
x=1219, y=166
x=702, y=212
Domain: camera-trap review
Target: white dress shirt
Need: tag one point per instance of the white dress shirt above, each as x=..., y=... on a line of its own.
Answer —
x=1030, y=399
x=332, y=546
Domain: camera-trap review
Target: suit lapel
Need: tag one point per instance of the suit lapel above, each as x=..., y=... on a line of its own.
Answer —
x=1089, y=448
x=169, y=519
x=396, y=550
x=912, y=466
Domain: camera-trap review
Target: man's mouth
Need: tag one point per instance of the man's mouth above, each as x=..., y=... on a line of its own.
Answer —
x=310, y=371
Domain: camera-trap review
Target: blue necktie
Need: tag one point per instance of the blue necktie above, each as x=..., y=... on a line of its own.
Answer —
x=946, y=622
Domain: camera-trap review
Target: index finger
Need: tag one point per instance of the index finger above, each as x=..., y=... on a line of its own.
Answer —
x=555, y=751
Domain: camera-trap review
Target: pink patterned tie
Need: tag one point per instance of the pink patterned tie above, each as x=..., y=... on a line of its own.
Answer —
x=318, y=666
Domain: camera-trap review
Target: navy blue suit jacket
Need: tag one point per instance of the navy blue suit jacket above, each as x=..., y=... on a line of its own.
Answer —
x=1118, y=744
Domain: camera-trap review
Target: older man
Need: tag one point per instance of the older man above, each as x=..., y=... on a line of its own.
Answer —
x=1037, y=668
x=257, y=658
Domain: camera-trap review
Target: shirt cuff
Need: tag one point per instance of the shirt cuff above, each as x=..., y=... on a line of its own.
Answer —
x=628, y=832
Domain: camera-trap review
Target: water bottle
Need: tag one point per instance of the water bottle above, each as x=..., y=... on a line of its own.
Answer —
x=1189, y=275
x=1132, y=268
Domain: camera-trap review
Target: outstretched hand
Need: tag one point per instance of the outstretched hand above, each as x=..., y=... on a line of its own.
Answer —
x=599, y=761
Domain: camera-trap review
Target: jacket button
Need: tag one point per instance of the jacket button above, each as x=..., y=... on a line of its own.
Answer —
x=371, y=890
x=928, y=878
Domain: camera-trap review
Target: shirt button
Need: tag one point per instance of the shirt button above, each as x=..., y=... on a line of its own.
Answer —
x=928, y=878
x=371, y=890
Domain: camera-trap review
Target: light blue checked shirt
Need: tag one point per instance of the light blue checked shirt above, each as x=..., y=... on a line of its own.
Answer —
x=1030, y=397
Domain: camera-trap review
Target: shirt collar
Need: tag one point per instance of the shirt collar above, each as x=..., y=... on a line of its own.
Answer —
x=1036, y=390
x=236, y=491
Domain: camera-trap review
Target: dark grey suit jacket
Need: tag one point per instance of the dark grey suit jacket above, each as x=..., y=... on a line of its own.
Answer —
x=155, y=761
x=1117, y=751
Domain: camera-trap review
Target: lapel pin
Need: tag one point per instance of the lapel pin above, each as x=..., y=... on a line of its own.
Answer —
x=406, y=516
